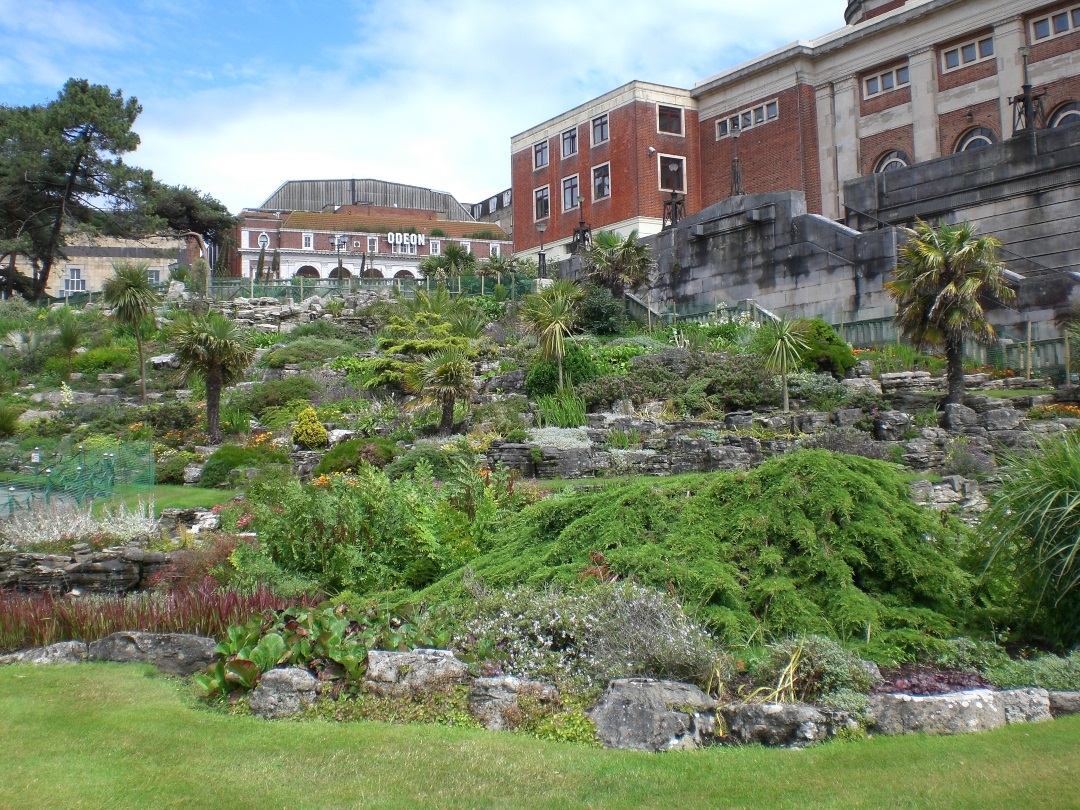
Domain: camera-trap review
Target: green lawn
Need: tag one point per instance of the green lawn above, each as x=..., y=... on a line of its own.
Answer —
x=115, y=736
x=166, y=496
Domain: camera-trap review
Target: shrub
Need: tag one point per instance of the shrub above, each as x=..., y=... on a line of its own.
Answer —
x=309, y=431
x=964, y=457
x=307, y=352
x=807, y=668
x=565, y=410
x=229, y=457
x=821, y=391
x=277, y=393
x=349, y=455
x=440, y=461
x=1046, y=671
x=503, y=416
x=169, y=469
x=57, y=524
x=542, y=378
x=102, y=359
x=171, y=416
x=9, y=419
x=826, y=351
x=600, y=312
x=585, y=637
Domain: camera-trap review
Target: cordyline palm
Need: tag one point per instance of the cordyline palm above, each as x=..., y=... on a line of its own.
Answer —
x=941, y=276
x=69, y=335
x=458, y=261
x=619, y=263
x=213, y=347
x=496, y=266
x=551, y=316
x=132, y=298
x=785, y=342
x=443, y=379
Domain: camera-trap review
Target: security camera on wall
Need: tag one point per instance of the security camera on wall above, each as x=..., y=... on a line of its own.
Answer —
x=651, y=151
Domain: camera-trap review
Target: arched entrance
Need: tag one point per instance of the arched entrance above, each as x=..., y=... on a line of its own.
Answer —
x=404, y=274
x=340, y=272
x=307, y=271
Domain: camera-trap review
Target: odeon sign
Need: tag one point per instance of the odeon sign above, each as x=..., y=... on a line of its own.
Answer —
x=405, y=238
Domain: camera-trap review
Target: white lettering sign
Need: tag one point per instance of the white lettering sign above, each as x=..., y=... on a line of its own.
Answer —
x=395, y=238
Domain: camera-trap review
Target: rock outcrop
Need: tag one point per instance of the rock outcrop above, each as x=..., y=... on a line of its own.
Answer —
x=952, y=713
x=283, y=692
x=173, y=653
x=649, y=715
x=791, y=725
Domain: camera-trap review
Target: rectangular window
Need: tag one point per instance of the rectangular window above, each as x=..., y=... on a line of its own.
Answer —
x=373, y=244
x=570, y=196
x=403, y=248
x=308, y=241
x=601, y=181
x=541, y=203
x=669, y=119
x=540, y=155
x=967, y=53
x=1056, y=24
x=467, y=247
x=74, y=282
x=493, y=250
x=746, y=119
x=884, y=82
x=600, y=130
x=434, y=247
x=672, y=173
x=153, y=275
x=569, y=142
x=506, y=198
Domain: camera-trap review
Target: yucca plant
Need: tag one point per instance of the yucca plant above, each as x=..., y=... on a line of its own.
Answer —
x=129, y=293
x=785, y=342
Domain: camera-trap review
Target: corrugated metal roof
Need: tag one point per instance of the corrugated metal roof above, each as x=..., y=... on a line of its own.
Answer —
x=308, y=221
x=317, y=195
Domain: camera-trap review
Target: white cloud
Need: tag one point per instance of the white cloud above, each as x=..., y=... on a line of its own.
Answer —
x=414, y=91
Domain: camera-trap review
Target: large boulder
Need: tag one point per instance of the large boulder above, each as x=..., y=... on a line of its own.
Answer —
x=792, y=725
x=1026, y=705
x=63, y=652
x=495, y=702
x=174, y=653
x=403, y=674
x=1062, y=703
x=283, y=692
x=649, y=715
x=951, y=713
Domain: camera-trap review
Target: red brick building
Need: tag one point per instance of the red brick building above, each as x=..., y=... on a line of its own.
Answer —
x=901, y=83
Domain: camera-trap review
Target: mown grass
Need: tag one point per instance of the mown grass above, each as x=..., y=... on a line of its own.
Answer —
x=165, y=496
x=115, y=736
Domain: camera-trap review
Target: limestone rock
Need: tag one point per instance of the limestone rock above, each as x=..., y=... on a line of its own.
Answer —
x=283, y=692
x=1064, y=703
x=174, y=653
x=958, y=417
x=161, y=361
x=400, y=674
x=890, y=426
x=649, y=715
x=792, y=725
x=952, y=713
x=63, y=652
x=1026, y=705
x=494, y=701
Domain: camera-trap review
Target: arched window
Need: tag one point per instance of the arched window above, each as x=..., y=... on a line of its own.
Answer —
x=404, y=274
x=307, y=271
x=891, y=161
x=373, y=272
x=1066, y=115
x=976, y=139
x=340, y=272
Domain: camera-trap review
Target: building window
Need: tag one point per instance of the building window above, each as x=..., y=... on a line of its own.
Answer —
x=403, y=247
x=968, y=53
x=745, y=119
x=541, y=203
x=569, y=142
x=1056, y=24
x=308, y=241
x=977, y=138
x=466, y=246
x=373, y=244
x=506, y=198
x=74, y=282
x=540, y=155
x=669, y=119
x=600, y=132
x=884, y=82
x=153, y=275
x=434, y=247
x=493, y=250
x=1066, y=115
x=570, y=195
x=672, y=173
x=892, y=161
x=601, y=181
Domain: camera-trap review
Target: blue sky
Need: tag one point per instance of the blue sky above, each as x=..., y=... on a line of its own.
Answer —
x=240, y=96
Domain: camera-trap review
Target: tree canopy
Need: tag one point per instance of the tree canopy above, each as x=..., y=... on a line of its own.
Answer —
x=62, y=169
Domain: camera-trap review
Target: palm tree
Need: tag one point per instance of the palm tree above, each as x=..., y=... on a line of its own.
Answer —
x=69, y=335
x=443, y=379
x=214, y=347
x=551, y=315
x=129, y=293
x=941, y=275
x=495, y=266
x=458, y=261
x=435, y=267
x=785, y=342
x=619, y=263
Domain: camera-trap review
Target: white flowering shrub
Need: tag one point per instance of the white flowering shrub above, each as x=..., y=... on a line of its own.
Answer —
x=582, y=639
x=560, y=438
x=62, y=522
